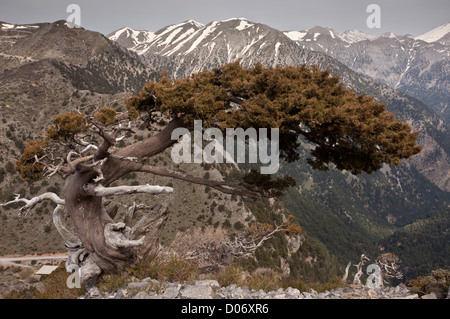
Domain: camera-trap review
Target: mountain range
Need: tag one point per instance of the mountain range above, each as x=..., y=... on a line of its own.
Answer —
x=417, y=66
x=53, y=68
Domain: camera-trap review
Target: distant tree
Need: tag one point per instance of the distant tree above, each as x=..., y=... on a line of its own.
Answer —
x=347, y=131
x=389, y=267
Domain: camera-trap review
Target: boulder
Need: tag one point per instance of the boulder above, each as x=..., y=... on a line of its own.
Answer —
x=142, y=295
x=431, y=295
x=197, y=292
x=212, y=283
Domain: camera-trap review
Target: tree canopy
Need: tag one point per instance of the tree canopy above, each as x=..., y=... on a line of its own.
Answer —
x=351, y=131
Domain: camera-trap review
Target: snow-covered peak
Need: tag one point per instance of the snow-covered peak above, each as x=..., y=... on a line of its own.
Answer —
x=241, y=23
x=244, y=25
x=436, y=34
x=116, y=34
x=389, y=35
x=354, y=36
x=234, y=19
x=195, y=23
x=131, y=38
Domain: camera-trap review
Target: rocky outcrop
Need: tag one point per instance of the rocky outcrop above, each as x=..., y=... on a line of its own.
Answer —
x=210, y=289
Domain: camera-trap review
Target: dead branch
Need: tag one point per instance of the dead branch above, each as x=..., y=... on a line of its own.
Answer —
x=50, y=168
x=30, y=203
x=359, y=273
x=344, y=279
x=88, y=147
x=100, y=190
x=115, y=236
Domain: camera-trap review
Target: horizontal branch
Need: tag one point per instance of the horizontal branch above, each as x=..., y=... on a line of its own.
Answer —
x=224, y=187
x=30, y=203
x=100, y=190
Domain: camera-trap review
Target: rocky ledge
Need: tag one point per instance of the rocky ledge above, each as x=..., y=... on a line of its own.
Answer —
x=210, y=289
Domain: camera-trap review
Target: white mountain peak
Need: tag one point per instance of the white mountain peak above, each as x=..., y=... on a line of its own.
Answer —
x=193, y=22
x=436, y=34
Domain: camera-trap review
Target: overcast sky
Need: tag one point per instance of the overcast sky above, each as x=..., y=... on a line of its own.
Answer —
x=399, y=16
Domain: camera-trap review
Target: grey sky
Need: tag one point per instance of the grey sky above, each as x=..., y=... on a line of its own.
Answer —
x=399, y=16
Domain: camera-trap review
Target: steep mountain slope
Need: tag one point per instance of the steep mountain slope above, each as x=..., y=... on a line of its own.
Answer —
x=431, y=248
x=94, y=61
x=416, y=66
x=189, y=47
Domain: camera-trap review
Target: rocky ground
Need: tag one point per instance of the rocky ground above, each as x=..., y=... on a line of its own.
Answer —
x=210, y=289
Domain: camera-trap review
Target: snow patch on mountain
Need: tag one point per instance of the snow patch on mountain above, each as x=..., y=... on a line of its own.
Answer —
x=244, y=25
x=296, y=35
x=9, y=26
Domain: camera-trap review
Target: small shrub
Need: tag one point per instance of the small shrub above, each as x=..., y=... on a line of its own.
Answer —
x=264, y=278
x=232, y=274
x=114, y=282
x=438, y=282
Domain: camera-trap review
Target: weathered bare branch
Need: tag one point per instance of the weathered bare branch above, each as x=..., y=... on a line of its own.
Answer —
x=50, y=168
x=88, y=147
x=100, y=190
x=30, y=203
x=359, y=273
x=344, y=279
x=128, y=216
